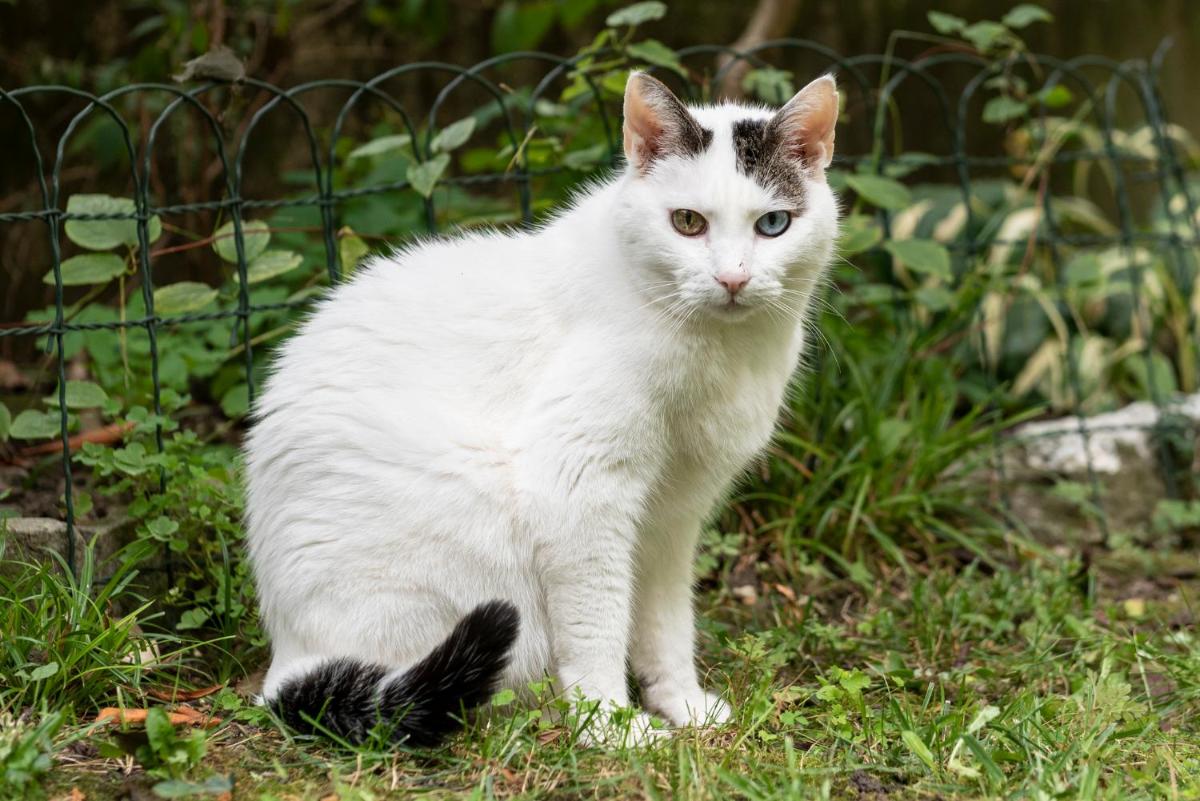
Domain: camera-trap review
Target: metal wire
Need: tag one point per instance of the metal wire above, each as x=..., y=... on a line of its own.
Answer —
x=953, y=84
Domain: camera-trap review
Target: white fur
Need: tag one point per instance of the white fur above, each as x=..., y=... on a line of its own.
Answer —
x=545, y=417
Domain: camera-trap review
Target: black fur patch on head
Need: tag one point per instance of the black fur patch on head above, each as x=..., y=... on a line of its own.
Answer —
x=350, y=698
x=761, y=154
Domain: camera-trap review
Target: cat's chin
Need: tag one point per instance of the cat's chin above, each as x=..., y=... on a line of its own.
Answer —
x=731, y=312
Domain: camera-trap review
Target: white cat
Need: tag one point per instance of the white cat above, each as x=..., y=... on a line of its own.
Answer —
x=486, y=459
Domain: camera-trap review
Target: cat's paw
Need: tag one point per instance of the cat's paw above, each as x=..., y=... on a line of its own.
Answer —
x=621, y=729
x=687, y=706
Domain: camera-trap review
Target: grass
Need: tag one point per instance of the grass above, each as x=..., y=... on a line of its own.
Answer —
x=1020, y=682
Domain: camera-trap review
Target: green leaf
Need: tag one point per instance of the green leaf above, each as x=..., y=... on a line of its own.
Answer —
x=35, y=424
x=81, y=395
x=424, y=176
x=5, y=422
x=655, y=52
x=769, y=84
x=636, y=14
x=161, y=528
x=43, y=671
x=859, y=232
x=186, y=296
x=521, y=25
x=192, y=619
x=159, y=730
x=377, y=147
x=255, y=236
x=236, y=401
x=890, y=434
x=921, y=256
x=453, y=135
x=918, y=747
x=946, y=24
x=1055, y=96
x=1026, y=14
x=1083, y=270
x=1003, y=108
x=986, y=35
x=854, y=681
x=272, y=263
x=934, y=298
x=106, y=234
x=213, y=785
x=883, y=192
x=504, y=697
x=88, y=268
x=586, y=158
x=351, y=249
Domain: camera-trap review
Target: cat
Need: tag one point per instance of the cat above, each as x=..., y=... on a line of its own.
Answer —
x=486, y=459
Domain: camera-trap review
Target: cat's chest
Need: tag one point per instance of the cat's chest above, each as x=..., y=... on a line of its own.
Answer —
x=723, y=410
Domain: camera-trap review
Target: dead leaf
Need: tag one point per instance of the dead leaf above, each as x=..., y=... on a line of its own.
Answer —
x=220, y=64
x=181, y=716
x=183, y=695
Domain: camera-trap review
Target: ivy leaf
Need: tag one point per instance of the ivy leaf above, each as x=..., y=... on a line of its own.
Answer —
x=453, y=135
x=946, y=24
x=272, y=263
x=1001, y=109
x=351, y=249
x=35, y=424
x=859, y=232
x=255, y=236
x=81, y=395
x=106, y=234
x=424, y=176
x=5, y=422
x=377, y=147
x=636, y=14
x=921, y=256
x=880, y=191
x=655, y=52
x=1026, y=14
x=88, y=268
x=161, y=528
x=186, y=296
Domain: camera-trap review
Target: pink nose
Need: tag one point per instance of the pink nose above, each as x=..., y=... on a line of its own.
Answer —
x=733, y=281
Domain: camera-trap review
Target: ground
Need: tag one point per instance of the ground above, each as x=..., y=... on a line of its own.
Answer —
x=1038, y=678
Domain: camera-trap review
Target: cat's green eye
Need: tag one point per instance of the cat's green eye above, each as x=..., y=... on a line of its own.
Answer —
x=688, y=222
x=773, y=223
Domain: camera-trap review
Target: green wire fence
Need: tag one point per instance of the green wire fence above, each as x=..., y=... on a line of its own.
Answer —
x=1120, y=127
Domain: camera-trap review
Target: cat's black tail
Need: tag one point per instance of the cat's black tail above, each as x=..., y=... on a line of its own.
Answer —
x=349, y=698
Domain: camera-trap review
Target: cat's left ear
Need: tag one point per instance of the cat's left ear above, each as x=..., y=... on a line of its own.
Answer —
x=806, y=123
x=657, y=124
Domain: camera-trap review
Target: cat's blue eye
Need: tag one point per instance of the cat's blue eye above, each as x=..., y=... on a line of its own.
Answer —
x=773, y=223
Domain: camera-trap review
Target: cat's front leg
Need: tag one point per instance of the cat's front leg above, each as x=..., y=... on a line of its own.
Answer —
x=585, y=460
x=664, y=641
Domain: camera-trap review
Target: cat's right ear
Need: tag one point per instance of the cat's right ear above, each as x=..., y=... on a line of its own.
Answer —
x=657, y=124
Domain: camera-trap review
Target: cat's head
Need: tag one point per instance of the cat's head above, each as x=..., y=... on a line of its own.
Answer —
x=724, y=209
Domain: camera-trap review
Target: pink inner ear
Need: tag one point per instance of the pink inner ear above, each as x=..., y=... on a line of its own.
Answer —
x=809, y=121
x=641, y=120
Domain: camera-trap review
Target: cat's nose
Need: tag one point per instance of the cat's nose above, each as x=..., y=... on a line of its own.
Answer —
x=733, y=281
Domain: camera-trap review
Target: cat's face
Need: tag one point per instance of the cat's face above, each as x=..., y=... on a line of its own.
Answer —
x=725, y=210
